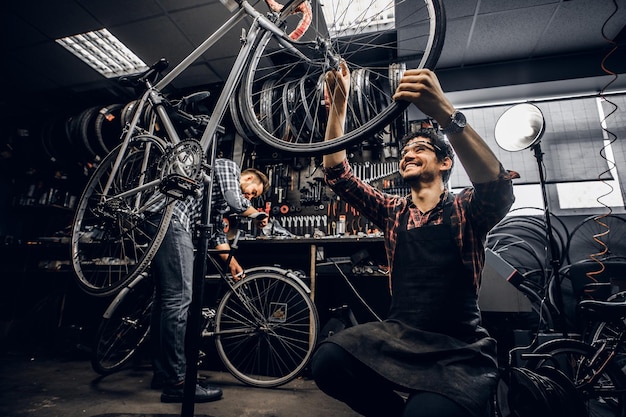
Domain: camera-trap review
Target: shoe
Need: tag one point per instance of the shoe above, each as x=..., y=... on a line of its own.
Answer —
x=158, y=382
x=203, y=381
x=176, y=394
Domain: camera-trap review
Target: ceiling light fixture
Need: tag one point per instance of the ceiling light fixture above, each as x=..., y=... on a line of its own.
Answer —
x=104, y=53
x=346, y=17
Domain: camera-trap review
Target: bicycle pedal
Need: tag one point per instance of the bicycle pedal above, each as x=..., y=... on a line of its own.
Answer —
x=208, y=313
x=179, y=187
x=201, y=357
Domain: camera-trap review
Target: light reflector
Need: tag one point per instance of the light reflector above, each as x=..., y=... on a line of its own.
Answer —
x=103, y=52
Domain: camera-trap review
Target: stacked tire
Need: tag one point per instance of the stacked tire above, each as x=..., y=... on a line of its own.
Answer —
x=85, y=137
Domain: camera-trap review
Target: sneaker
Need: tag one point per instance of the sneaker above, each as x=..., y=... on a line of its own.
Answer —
x=158, y=382
x=176, y=394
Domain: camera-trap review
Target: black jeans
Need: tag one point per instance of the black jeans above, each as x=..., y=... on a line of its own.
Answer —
x=341, y=376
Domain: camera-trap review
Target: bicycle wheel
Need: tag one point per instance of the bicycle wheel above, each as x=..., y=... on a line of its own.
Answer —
x=373, y=37
x=124, y=327
x=518, y=252
x=601, y=390
x=115, y=238
x=601, y=236
x=266, y=329
x=604, y=330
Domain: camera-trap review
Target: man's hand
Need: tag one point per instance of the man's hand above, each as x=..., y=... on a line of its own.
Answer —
x=337, y=91
x=421, y=87
x=260, y=218
x=236, y=270
x=337, y=87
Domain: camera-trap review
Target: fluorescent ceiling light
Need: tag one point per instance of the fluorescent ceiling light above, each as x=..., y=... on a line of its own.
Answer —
x=104, y=53
x=346, y=17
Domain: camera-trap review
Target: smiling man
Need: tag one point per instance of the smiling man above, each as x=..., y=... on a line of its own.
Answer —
x=431, y=346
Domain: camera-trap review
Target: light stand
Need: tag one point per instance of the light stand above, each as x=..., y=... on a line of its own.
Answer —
x=519, y=128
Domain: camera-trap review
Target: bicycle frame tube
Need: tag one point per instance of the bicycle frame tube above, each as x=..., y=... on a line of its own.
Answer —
x=244, y=9
x=231, y=284
x=124, y=145
x=202, y=48
x=122, y=294
x=144, y=166
x=157, y=104
x=220, y=107
x=234, y=76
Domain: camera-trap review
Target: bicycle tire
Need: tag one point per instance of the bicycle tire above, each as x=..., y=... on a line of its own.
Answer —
x=517, y=252
x=108, y=126
x=266, y=329
x=111, y=241
x=124, y=328
x=605, y=397
x=581, y=243
x=534, y=230
x=87, y=137
x=55, y=144
x=416, y=39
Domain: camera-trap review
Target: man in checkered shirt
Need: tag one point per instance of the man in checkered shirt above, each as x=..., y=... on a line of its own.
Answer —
x=172, y=268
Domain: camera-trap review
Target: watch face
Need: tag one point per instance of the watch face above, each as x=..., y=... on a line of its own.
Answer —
x=459, y=119
x=457, y=124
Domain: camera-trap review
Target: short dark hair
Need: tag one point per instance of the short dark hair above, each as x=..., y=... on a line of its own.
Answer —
x=443, y=149
x=262, y=178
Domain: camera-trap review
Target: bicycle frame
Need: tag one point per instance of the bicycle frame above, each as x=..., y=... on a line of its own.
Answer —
x=270, y=306
x=222, y=275
x=153, y=98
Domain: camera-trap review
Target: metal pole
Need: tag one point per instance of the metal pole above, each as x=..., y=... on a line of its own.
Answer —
x=554, y=249
x=194, y=322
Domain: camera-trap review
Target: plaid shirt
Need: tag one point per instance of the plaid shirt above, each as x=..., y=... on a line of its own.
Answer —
x=476, y=210
x=225, y=194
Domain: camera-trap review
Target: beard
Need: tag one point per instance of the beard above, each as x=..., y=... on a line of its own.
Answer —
x=417, y=178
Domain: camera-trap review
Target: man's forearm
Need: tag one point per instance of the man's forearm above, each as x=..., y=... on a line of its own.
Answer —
x=334, y=129
x=477, y=158
x=338, y=87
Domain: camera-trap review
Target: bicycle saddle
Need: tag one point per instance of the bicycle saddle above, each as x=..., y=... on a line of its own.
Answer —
x=137, y=80
x=603, y=310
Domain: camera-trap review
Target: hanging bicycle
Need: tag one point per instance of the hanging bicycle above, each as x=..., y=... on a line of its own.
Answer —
x=167, y=153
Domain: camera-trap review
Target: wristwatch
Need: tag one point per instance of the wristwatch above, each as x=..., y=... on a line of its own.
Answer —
x=457, y=123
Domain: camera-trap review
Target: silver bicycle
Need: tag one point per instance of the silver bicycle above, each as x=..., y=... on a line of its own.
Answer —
x=265, y=326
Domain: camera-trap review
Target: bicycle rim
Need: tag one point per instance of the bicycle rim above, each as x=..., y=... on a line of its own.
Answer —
x=600, y=237
x=113, y=240
x=125, y=330
x=283, y=95
x=266, y=330
x=605, y=395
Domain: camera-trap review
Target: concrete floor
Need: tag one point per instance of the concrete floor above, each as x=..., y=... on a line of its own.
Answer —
x=64, y=385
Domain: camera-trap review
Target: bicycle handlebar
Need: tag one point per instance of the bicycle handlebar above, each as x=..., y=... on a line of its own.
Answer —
x=294, y=7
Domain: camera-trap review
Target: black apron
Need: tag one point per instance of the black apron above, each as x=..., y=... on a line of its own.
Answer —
x=431, y=340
